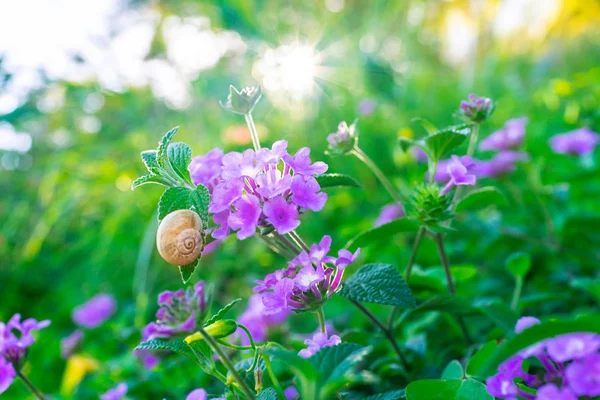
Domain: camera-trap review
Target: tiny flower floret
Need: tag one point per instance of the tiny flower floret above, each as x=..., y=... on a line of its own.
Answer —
x=460, y=172
x=344, y=140
x=578, y=142
x=476, y=109
x=317, y=342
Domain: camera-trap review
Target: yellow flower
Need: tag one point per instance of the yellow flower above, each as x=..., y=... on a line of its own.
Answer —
x=77, y=368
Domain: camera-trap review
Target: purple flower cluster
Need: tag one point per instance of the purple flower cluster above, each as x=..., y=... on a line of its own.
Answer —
x=509, y=137
x=501, y=164
x=459, y=171
x=571, y=365
x=117, y=393
x=317, y=342
x=476, y=109
x=15, y=339
x=578, y=142
x=389, y=213
x=344, y=140
x=307, y=282
x=95, y=311
x=264, y=188
x=258, y=321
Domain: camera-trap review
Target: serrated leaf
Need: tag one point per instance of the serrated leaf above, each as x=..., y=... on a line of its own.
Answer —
x=142, y=180
x=394, y=395
x=481, y=198
x=453, y=370
x=380, y=284
x=518, y=264
x=182, y=198
x=382, y=233
x=268, y=394
x=150, y=161
x=221, y=313
x=442, y=143
x=304, y=371
x=200, y=200
x=176, y=346
x=186, y=271
x=163, y=145
x=335, y=180
x=180, y=157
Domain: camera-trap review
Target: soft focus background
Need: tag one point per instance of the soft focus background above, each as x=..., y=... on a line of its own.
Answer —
x=86, y=85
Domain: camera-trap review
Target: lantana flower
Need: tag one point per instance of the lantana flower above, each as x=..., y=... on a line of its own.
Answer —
x=476, y=109
x=389, y=213
x=460, y=172
x=317, y=342
x=258, y=321
x=507, y=138
x=344, y=140
x=95, y=311
x=117, y=393
x=578, y=142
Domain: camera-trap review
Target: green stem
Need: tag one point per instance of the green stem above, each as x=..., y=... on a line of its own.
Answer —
x=250, y=338
x=273, y=377
x=253, y=133
x=289, y=244
x=298, y=240
x=473, y=139
x=439, y=240
x=321, y=318
x=30, y=385
x=517, y=293
x=362, y=156
x=388, y=333
x=233, y=346
x=227, y=362
x=413, y=254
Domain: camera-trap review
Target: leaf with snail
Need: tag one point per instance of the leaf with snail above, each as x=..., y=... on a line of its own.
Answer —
x=163, y=145
x=182, y=198
x=186, y=271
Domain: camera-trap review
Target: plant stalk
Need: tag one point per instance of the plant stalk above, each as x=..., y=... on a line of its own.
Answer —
x=321, y=318
x=439, y=240
x=413, y=254
x=253, y=132
x=273, y=377
x=517, y=293
x=362, y=156
x=30, y=385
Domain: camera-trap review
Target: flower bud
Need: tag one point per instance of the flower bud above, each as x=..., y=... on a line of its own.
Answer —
x=242, y=102
x=429, y=207
x=218, y=330
x=477, y=109
x=344, y=140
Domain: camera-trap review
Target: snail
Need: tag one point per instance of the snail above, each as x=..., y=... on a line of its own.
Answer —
x=179, y=237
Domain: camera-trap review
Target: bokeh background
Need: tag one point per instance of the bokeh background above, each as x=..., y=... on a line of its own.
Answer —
x=86, y=85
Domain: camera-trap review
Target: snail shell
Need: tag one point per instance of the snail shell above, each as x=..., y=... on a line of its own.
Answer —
x=179, y=237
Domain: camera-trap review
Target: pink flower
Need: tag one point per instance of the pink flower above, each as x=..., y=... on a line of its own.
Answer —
x=95, y=312
x=578, y=142
x=318, y=341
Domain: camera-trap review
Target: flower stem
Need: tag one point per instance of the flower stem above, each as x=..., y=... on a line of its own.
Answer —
x=517, y=293
x=321, y=318
x=298, y=240
x=413, y=254
x=273, y=377
x=388, y=333
x=362, y=156
x=228, y=364
x=30, y=386
x=473, y=139
x=439, y=240
x=253, y=133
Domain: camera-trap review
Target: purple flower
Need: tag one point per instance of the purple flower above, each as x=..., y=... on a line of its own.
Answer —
x=389, y=213
x=16, y=337
x=344, y=140
x=551, y=392
x=367, y=107
x=246, y=215
x=95, y=312
x=308, y=282
x=258, y=321
x=318, y=341
x=69, y=344
x=7, y=374
x=420, y=155
x=574, y=346
x=501, y=164
x=281, y=214
x=116, y=393
x=476, y=109
x=206, y=170
x=502, y=385
x=584, y=376
x=291, y=393
x=578, y=142
x=507, y=138
x=301, y=163
x=525, y=322
x=198, y=394
x=459, y=170
x=305, y=193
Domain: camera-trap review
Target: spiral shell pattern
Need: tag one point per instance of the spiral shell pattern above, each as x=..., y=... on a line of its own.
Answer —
x=179, y=237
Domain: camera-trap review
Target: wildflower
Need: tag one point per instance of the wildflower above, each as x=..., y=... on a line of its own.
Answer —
x=367, y=107
x=459, y=170
x=258, y=321
x=180, y=312
x=584, y=376
x=265, y=188
x=13, y=345
x=501, y=164
x=344, y=140
x=390, y=213
x=308, y=281
x=116, y=393
x=507, y=138
x=69, y=344
x=476, y=109
x=318, y=341
x=206, y=170
x=578, y=142
x=7, y=374
x=95, y=311
x=551, y=392
x=243, y=101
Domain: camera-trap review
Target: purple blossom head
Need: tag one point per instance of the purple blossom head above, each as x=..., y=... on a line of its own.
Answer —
x=7, y=374
x=206, y=170
x=550, y=392
x=389, y=213
x=525, y=322
x=308, y=282
x=116, y=393
x=95, y=311
x=507, y=138
x=70, y=344
x=583, y=376
x=198, y=394
x=367, y=107
x=577, y=143
x=16, y=336
x=317, y=342
x=460, y=172
x=501, y=164
x=476, y=109
x=267, y=188
x=574, y=346
x=256, y=319
x=344, y=140
x=291, y=393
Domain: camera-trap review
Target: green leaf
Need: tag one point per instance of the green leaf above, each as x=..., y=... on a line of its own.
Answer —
x=442, y=143
x=142, y=180
x=380, y=284
x=221, y=313
x=532, y=336
x=479, y=358
x=453, y=370
x=481, y=198
x=182, y=198
x=150, y=161
x=470, y=389
x=336, y=366
x=200, y=200
x=395, y=395
x=447, y=303
x=588, y=285
x=163, y=145
x=382, y=233
x=268, y=394
x=303, y=369
x=186, y=271
x=454, y=389
x=334, y=180
x=406, y=144
x=500, y=314
x=428, y=126
x=180, y=157
x=518, y=264
x=203, y=354
x=176, y=346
